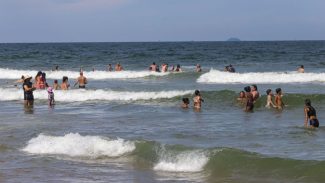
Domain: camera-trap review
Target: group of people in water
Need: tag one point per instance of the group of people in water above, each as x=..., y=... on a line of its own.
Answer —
x=247, y=97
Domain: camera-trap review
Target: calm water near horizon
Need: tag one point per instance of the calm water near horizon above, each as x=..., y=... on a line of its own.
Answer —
x=128, y=126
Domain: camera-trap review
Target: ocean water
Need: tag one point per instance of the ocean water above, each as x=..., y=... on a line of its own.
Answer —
x=128, y=126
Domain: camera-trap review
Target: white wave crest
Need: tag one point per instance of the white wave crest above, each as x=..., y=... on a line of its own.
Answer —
x=75, y=145
x=10, y=94
x=96, y=75
x=220, y=77
x=190, y=161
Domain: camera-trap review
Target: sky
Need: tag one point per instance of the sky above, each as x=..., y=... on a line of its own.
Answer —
x=160, y=20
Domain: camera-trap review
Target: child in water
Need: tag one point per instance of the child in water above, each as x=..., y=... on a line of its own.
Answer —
x=50, y=96
x=310, y=114
x=197, y=99
x=269, y=100
x=186, y=103
x=278, y=99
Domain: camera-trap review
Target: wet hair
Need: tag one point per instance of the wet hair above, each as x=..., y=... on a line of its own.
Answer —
x=22, y=77
x=197, y=92
x=268, y=91
x=56, y=81
x=254, y=87
x=307, y=102
x=186, y=100
x=44, y=76
x=242, y=92
x=64, y=79
x=39, y=73
x=302, y=66
x=153, y=63
x=178, y=66
x=278, y=90
x=247, y=89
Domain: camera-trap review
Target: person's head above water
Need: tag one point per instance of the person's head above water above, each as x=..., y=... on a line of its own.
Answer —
x=254, y=88
x=186, y=101
x=247, y=89
x=278, y=90
x=56, y=81
x=242, y=94
x=153, y=63
x=64, y=79
x=197, y=92
x=268, y=91
x=81, y=73
x=307, y=102
x=301, y=66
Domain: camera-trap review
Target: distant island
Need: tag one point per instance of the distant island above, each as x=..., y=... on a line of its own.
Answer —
x=233, y=39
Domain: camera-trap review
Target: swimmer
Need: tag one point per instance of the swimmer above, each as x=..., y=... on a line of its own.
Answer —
x=110, y=68
x=153, y=67
x=310, y=114
x=255, y=92
x=178, y=68
x=172, y=68
x=50, y=93
x=56, y=85
x=164, y=67
x=231, y=69
x=186, y=103
x=278, y=99
x=269, y=100
x=249, y=99
x=197, y=99
x=118, y=67
x=65, y=83
x=301, y=69
x=242, y=97
x=82, y=80
x=56, y=68
x=198, y=68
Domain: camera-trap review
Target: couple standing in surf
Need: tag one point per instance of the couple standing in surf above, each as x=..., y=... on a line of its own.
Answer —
x=248, y=97
x=197, y=100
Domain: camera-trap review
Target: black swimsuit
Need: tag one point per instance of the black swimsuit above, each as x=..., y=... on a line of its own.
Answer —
x=28, y=95
x=312, y=112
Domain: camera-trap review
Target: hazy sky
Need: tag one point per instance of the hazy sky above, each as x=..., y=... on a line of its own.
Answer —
x=160, y=20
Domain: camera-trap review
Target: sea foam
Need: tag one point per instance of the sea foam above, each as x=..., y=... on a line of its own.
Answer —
x=75, y=145
x=96, y=75
x=220, y=77
x=81, y=95
x=188, y=161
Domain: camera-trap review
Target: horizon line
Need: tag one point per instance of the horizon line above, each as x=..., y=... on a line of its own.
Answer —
x=59, y=42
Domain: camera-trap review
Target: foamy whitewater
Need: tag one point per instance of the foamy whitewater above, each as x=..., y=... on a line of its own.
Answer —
x=80, y=95
x=220, y=77
x=189, y=161
x=75, y=145
x=96, y=75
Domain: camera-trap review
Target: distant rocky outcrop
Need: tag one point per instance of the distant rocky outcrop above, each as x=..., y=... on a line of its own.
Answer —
x=233, y=39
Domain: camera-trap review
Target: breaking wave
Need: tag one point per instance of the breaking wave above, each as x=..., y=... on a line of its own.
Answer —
x=96, y=75
x=10, y=94
x=220, y=77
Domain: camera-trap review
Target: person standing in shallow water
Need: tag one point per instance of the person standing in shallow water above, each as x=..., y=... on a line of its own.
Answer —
x=310, y=114
x=249, y=99
x=65, y=83
x=255, y=92
x=278, y=99
x=82, y=80
x=197, y=99
x=28, y=91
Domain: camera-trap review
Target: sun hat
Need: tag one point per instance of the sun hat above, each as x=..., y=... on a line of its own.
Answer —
x=27, y=77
